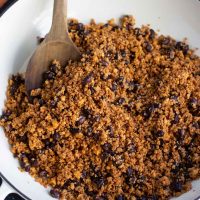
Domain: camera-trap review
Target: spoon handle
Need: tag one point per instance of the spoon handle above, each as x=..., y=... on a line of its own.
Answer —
x=59, y=29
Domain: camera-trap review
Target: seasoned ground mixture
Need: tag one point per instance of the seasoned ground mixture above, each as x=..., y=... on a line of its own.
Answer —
x=121, y=124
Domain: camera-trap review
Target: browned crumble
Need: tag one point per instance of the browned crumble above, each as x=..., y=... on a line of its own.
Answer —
x=123, y=123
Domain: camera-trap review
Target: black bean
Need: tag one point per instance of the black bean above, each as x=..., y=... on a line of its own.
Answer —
x=99, y=198
x=88, y=51
x=152, y=34
x=177, y=186
x=120, y=80
x=98, y=179
x=80, y=27
x=56, y=136
x=87, y=79
x=194, y=106
x=119, y=101
x=22, y=163
x=27, y=168
x=165, y=41
x=5, y=115
x=108, y=153
x=92, y=90
x=154, y=197
x=41, y=102
x=188, y=160
x=114, y=28
x=90, y=193
x=84, y=174
x=55, y=193
x=86, y=33
x=31, y=155
x=71, y=23
x=149, y=110
x=69, y=181
x=104, y=63
x=23, y=138
x=48, y=75
x=151, y=151
x=180, y=134
x=110, y=130
x=109, y=76
x=192, y=103
x=103, y=77
x=159, y=133
x=106, y=25
x=104, y=156
x=114, y=86
x=126, y=62
x=132, y=56
x=31, y=99
x=13, y=89
x=107, y=147
x=148, y=47
x=89, y=131
x=196, y=125
x=129, y=26
x=102, y=197
x=53, y=68
x=116, y=57
x=181, y=46
x=87, y=113
x=144, y=197
x=96, y=118
x=40, y=151
x=137, y=32
x=80, y=121
x=120, y=197
x=96, y=136
x=33, y=162
x=74, y=130
x=53, y=103
x=9, y=128
x=17, y=81
x=134, y=86
x=23, y=155
x=174, y=97
x=43, y=173
x=130, y=177
x=131, y=181
x=46, y=142
x=129, y=172
x=109, y=53
x=176, y=119
x=123, y=53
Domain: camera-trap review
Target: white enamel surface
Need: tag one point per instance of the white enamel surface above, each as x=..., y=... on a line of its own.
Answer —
x=27, y=19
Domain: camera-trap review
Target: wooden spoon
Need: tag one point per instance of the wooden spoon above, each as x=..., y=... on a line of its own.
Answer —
x=57, y=45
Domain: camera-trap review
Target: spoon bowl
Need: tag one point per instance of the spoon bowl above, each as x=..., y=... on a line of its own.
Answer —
x=57, y=45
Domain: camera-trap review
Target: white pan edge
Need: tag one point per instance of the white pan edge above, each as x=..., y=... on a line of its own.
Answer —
x=27, y=19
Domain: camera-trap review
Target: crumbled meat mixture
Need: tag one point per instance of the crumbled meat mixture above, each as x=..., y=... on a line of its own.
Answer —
x=121, y=124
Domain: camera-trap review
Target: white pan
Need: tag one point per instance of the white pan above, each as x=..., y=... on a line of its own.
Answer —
x=27, y=19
